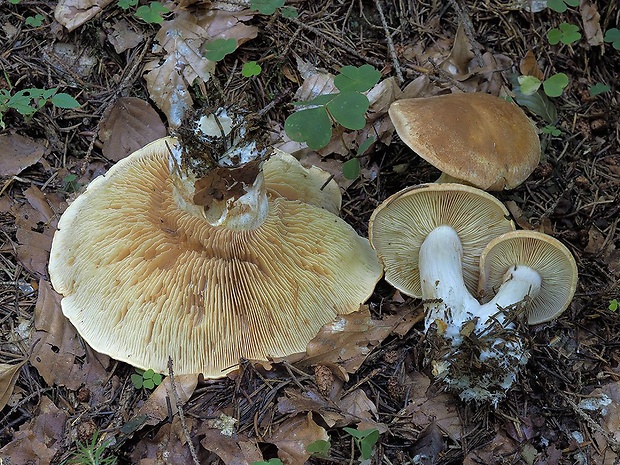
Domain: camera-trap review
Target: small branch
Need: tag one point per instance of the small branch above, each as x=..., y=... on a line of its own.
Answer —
x=390, y=43
x=188, y=438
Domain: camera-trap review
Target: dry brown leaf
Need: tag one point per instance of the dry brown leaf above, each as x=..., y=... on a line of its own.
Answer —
x=8, y=378
x=590, y=18
x=127, y=126
x=18, y=153
x=73, y=13
x=39, y=440
x=426, y=407
x=458, y=61
x=58, y=354
x=156, y=406
x=292, y=437
x=358, y=406
x=36, y=222
x=234, y=449
x=501, y=449
x=123, y=37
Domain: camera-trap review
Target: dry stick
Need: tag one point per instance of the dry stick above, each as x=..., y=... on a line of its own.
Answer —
x=390, y=43
x=373, y=61
x=177, y=400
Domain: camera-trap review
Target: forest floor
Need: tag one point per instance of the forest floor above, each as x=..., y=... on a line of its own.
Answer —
x=122, y=68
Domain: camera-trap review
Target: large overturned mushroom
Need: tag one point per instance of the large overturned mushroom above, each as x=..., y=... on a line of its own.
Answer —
x=147, y=273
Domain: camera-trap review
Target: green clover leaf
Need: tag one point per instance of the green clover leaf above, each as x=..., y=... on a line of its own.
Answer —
x=567, y=34
x=613, y=35
x=152, y=13
x=349, y=109
x=359, y=79
x=599, y=88
x=251, y=68
x=217, y=49
x=126, y=4
x=312, y=126
x=561, y=5
x=266, y=7
x=554, y=85
x=529, y=84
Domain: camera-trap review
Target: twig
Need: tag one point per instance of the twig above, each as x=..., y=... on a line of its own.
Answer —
x=177, y=400
x=468, y=29
x=390, y=43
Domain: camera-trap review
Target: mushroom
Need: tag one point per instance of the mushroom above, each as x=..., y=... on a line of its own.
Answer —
x=147, y=274
x=456, y=219
x=531, y=263
x=473, y=138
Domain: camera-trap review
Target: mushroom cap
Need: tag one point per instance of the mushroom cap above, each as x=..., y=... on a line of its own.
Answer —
x=145, y=277
x=544, y=254
x=478, y=138
x=400, y=224
x=286, y=177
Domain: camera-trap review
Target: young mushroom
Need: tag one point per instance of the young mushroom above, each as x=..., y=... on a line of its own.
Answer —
x=474, y=138
x=148, y=273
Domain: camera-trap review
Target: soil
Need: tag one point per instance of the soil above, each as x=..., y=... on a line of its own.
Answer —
x=573, y=195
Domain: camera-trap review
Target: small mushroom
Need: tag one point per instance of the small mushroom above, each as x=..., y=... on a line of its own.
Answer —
x=456, y=219
x=528, y=263
x=473, y=138
x=148, y=274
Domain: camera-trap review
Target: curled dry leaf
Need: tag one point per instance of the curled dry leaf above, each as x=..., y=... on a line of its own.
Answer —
x=127, y=126
x=590, y=18
x=73, y=13
x=123, y=37
x=233, y=450
x=57, y=352
x=8, y=378
x=293, y=436
x=18, y=153
x=156, y=406
x=39, y=440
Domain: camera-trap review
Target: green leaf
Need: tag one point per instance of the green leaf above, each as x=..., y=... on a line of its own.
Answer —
x=289, y=12
x=561, y=5
x=599, y=88
x=319, y=448
x=537, y=103
x=365, y=145
x=318, y=100
x=62, y=100
x=351, y=168
x=35, y=21
x=157, y=378
x=312, y=126
x=148, y=374
x=349, y=109
x=529, y=84
x=554, y=85
x=266, y=7
x=217, y=49
x=136, y=380
x=360, y=79
x=368, y=443
x=148, y=384
x=20, y=102
x=355, y=433
x=126, y=4
x=614, y=305
x=552, y=130
x=613, y=35
x=152, y=13
x=14, y=2
x=567, y=34
x=273, y=461
x=251, y=68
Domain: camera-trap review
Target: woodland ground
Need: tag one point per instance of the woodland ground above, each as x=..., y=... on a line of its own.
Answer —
x=558, y=413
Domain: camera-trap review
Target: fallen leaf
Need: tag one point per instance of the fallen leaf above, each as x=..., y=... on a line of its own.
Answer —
x=458, y=61
x=57, y=352
x=590, y=18
x=18, y=153
x=37, y=441
x=73, y=13
x=427, y=447
x=292, y=437
x=156, y=406
x=235, y=449
x=528, y=66
x=8, y=378
x=127, y=126
x=501, y=449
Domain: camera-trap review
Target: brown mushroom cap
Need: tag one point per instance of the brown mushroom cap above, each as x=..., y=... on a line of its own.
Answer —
x=476, y=138
x=544, y=254
x=143, y=277
x=400, y=224
x=286, y=177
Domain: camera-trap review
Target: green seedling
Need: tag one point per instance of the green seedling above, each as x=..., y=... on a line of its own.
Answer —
x=598, y=88
x=152, y=13
x=146, y=379
x=613, y=36
x=126, y=4
x=70, y=184
x=35, y=21
x=551, y=130
x=289, y=12
x=268, y=462
x=92, y=453
x=347, y=108
x=364, y=440
x=319, y=448
x=251, y=68
x=217, y=49
x=567, y=33
x=266, y=7
x=561, y=5
x=614, y=305
x=552, y=86
x=351, y=168
x=28, y=101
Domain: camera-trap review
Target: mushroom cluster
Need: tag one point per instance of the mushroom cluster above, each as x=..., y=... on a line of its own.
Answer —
x=454, y=246
x=247, y=261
